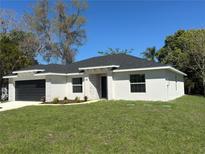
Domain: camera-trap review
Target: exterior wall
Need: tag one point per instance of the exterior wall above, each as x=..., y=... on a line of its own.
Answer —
x=155, y=86
x=91, y=87
x=110, y=86
x=160, y=85
x=94, y=88
x=61, y=86
x=11, y=90
x=55, y=87
x=69, y=88
x=175, y=85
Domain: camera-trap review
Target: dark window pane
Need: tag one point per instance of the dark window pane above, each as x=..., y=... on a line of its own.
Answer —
x=77, y=89
x=77, y=80
x=137, y=78
x=138, y=88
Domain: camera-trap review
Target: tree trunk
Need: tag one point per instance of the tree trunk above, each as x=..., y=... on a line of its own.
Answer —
x=69, y=58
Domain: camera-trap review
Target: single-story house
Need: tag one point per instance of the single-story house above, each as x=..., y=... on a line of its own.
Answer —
x=112, y=77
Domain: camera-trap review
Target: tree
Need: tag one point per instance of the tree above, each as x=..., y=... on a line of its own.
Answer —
x=40, y=25
x=11, y=55
x=59, y=34
x=69, y=27
x=17, y=48
x=173, y=52
x=7, y=21
x=185, y=51
x=195, y=47
x=150, y=54
x=114, y=51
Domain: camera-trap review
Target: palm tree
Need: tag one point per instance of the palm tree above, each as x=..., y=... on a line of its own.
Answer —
x=150, y=53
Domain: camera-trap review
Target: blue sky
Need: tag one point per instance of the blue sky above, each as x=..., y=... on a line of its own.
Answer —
x=130, y=24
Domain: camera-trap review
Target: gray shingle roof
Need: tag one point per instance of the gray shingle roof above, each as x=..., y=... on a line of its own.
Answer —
x=52, y=68
x=123, y=60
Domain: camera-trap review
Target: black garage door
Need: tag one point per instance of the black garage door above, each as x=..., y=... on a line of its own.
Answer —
x=30, y=90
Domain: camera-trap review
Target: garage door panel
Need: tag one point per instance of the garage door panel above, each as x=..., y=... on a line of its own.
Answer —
x=30, y=90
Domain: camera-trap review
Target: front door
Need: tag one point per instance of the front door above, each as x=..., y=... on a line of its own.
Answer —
x=104, y=87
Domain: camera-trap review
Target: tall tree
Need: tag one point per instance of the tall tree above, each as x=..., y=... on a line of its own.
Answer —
x=69, y=29
x=150, y=53
x=17, y=48
x=11, y=54
x=60, y=33
x=173, y=52
x=195, y=47
x=39, y=24
x=114, y=51
x=185, y=51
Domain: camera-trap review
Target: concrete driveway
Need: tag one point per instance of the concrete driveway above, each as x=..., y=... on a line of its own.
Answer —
x=15, y=105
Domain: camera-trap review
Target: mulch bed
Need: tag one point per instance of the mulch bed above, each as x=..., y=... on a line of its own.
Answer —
x=65, y=102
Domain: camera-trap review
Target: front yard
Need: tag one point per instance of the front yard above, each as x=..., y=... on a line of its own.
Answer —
x=106, y=127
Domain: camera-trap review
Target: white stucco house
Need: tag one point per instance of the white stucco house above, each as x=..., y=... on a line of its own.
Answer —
x=111, y=77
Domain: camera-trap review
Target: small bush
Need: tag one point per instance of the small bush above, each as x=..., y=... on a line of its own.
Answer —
x=65, y=100
x=77, y=99
x=55, y=100
x=85, y=98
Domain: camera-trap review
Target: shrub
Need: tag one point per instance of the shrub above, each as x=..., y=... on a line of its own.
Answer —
x=55, y=100
x=65, y=100
x=85, y=98
x=77, y=99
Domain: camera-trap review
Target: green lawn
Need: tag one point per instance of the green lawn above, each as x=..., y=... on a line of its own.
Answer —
x=106, y=127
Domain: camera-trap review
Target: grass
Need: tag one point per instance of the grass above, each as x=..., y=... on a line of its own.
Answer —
x=106, y=127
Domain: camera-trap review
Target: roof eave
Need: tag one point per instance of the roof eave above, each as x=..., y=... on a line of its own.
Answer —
x=58, y=74
x=29, y=71
x=9, y=76
x=177, y=71
x=151, y=68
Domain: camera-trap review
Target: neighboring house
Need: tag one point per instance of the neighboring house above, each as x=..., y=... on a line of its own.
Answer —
x=111, y=77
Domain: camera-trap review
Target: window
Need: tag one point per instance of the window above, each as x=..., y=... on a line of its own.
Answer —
x=77, y=85
x=137, y=83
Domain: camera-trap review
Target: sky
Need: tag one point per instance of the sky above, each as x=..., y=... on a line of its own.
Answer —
x=129, y=24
